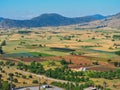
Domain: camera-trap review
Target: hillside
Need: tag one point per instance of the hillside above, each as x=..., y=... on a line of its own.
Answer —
x=48, y=20
x=112, y=21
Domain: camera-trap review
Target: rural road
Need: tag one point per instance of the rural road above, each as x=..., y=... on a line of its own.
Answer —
x=41, y=76
x=37, y=88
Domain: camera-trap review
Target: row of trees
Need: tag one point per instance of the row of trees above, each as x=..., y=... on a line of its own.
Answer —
x=59, y=73
x=66, y=74
x=34, y=67
x=107, y=75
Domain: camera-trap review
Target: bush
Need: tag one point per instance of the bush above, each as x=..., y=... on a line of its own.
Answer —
x=15, y=80
x=35, y=81
x=30, y=76
x=5, y=86
x=63, y=62
x=96, y=63
x=23, y=76
x=1, y=62
x=3, y=43
x=1, y=51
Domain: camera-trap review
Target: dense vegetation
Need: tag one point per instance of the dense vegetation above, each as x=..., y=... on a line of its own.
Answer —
x=4, y=85
x=66, y=74
x=63, y=73
x=107, y=75
x=58, y=73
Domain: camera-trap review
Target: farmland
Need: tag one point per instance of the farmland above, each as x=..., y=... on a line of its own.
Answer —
x=94, y=49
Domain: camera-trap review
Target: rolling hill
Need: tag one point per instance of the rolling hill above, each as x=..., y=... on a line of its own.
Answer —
x=112, y=21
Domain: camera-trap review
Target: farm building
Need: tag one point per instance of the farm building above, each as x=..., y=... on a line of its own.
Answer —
x=79, y=69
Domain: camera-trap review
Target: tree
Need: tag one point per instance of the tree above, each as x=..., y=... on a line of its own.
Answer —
x=5, y=86
x=96, y=63
x=1, y=51
x=15, y=80
x=1, y=62
x=35, y=81
x=3, y=43
x=63, y=62
x=109, y=60
x=0, y=80
x=30, y=76
x=116, y=64
x=36, y=68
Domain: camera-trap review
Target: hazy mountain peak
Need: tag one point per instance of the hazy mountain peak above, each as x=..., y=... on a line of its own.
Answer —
x=48, y=15
x=99, y=16
x=1, y=18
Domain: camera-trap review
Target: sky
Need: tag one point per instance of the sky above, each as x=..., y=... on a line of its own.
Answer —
x=26, y=9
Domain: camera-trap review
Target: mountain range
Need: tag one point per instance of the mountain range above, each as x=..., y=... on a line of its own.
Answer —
x=51, y=19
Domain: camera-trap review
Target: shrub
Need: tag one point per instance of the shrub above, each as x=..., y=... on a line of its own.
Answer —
x=30, y=76
x=15, y=80
x=35, y=81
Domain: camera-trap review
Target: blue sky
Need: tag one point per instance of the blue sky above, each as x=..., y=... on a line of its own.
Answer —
x=25, y=9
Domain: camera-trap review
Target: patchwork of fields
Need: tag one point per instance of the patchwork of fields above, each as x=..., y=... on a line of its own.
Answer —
x=61, y=41
x=91, y=48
